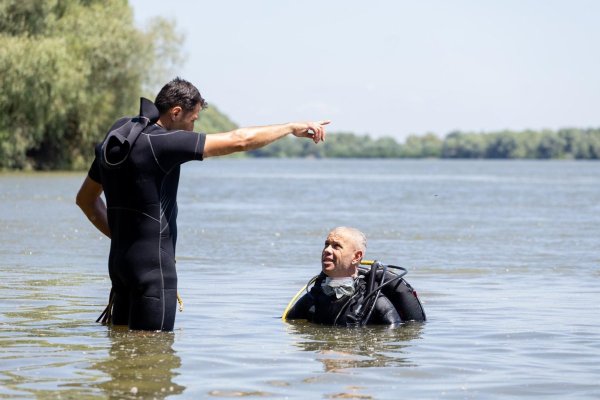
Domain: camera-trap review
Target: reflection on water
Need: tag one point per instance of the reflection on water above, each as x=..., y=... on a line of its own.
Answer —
x=340, y=348
x=139, y=365
x=47, y=332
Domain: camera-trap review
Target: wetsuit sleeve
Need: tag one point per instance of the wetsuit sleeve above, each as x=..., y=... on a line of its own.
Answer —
x=175, y=148
x=94, y=172
x=386, y=312
x=300, y=310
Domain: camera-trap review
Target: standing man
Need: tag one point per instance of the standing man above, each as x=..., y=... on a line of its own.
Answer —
x=137, y=167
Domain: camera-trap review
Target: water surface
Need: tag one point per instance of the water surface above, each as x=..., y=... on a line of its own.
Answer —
x=503, y=254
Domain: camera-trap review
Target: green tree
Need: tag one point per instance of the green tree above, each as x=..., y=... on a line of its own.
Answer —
x=69, y=68
x=593, y=138
x=503, y=145
x=384, y=147
x=464, y=145
x=581, y=143
x=212, y=120
x=551, y=145
x=428, y=145
x=345, y=145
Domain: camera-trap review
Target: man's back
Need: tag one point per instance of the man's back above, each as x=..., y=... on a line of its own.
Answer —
x=144, y=190
x=141, y=197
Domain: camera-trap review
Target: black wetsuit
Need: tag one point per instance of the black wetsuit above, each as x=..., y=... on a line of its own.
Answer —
x=316, y=306
x=141, y=199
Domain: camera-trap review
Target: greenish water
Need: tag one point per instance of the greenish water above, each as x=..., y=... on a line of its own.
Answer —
x=504, y=256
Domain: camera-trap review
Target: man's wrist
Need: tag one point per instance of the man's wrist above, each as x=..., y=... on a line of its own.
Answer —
x=295, y=128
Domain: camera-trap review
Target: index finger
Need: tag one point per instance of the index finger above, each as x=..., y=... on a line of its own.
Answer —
x=323, y=123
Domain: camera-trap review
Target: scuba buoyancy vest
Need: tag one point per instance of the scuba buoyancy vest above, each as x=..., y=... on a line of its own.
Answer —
x=330, y=310
x=378, y=288
x=119, y=141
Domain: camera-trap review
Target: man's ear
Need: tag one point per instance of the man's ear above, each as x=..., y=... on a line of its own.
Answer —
x=358, y=255
x=176, y=112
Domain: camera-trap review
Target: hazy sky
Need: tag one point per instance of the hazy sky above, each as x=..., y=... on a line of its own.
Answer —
x=393, y=67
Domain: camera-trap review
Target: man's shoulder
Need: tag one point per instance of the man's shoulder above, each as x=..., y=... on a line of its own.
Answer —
x=155, y=130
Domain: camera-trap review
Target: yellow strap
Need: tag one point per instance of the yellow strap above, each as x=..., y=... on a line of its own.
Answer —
x=180, y=301
x=293, y=301
x=367, y=262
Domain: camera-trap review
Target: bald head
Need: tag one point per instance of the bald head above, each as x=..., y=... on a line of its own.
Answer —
x=358, y=239
x=343, y=251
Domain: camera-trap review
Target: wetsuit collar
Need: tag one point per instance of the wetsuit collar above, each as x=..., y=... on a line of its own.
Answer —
x=339, y=286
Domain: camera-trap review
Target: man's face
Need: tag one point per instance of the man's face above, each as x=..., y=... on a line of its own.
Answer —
x=340, y=256
x=184, y=120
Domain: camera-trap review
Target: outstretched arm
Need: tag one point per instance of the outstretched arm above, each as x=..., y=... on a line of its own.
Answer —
x=92, y=205
x=244, y=139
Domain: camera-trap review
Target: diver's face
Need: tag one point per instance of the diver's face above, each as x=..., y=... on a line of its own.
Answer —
x=184, y=120
x=340, y=257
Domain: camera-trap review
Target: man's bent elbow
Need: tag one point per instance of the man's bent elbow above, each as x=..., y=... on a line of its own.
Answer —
x=79, y=200
x=85, y=202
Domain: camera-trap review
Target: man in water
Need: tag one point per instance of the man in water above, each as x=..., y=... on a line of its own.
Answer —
x=340, y=294
x=137, y=167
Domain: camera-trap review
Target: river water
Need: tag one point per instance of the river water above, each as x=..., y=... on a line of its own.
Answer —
x=504, y=254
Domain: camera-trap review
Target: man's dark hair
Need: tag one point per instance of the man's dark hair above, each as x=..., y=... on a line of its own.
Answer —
x=178, y=92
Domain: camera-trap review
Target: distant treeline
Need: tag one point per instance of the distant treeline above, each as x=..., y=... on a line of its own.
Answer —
x=69, y=68
x=583, y=144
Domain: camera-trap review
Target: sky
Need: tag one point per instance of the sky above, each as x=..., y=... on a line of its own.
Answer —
x=394, y=67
